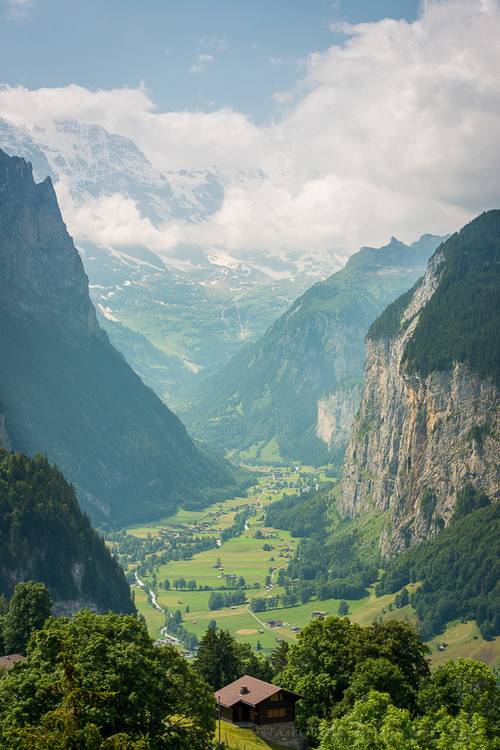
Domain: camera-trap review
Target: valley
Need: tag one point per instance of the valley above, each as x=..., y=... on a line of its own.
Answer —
x=244, y=555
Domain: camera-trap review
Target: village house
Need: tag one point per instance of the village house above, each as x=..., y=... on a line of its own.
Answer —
x=262, y=706
x=319, y=614
x=6, y=662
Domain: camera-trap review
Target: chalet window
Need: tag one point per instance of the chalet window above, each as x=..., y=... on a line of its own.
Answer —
x=277, y=697
x=276, y=713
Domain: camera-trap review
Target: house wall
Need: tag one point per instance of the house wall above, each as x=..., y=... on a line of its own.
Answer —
x=273, y=711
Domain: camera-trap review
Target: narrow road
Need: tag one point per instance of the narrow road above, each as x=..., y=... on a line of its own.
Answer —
x=265, y=625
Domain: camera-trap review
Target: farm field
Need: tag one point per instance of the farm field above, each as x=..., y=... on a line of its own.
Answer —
x=464, y=640
x=244, y=555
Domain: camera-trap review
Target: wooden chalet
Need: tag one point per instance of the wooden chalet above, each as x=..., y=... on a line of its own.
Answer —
x=252, y=701
x=6, y=662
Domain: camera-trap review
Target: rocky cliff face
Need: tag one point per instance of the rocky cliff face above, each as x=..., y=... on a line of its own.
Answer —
x=422, y=436
x=4, y=438
x=41, y=273
x=336, y=413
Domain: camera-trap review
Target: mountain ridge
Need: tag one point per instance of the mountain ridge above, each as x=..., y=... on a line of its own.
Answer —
x=65, y=390
x=297, y=388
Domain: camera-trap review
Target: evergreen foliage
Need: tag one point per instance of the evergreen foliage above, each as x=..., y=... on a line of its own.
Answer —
x=45, y=537
x=458, y=569
x=334, y=558
x=28, y=609
x=221, y=660
x=461, y=320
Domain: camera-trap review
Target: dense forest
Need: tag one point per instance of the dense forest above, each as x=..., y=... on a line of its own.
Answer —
x=334, y=558
x=459, y=569
x=101, y=684
x=460, y=322
x=44, y=536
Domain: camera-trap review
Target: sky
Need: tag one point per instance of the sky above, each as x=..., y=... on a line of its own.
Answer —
x=366, y=118
x=189, y=54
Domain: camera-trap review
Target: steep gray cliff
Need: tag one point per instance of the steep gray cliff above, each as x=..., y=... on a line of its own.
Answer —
x=425, y=430
x=41, y=273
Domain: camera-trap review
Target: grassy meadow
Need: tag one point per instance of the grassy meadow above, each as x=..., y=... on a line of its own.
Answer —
x=245, y=556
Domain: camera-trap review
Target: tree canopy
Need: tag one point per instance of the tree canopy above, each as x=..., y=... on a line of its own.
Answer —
x=96, y=682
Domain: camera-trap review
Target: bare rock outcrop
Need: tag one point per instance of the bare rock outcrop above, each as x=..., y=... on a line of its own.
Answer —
x=419, y=438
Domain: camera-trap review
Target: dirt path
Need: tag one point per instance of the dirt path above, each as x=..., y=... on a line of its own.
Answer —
x=265, y=625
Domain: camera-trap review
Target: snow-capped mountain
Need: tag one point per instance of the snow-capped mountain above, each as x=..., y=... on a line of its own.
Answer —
x=94, y=163
x=194, y=305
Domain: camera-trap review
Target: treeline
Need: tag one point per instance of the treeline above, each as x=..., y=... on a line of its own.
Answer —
x=44, y=536
x=460, y=322
x=335, y=559
x=459, y=569
x=365, y=687
x=174, y=626
x=298, y=514
x=238, y=527
x=221, y=599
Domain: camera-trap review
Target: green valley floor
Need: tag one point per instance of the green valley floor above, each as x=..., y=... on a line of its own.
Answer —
x=248, y=555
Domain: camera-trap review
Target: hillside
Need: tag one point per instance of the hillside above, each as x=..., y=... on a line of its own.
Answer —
x=427, y=428
x=45, y=537
x=294, y=393
x=65, y=391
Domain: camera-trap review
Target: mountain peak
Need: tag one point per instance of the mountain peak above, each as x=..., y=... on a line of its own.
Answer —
x=41, y=272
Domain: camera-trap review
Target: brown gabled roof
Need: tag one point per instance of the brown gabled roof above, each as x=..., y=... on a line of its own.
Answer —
x=257, y=691
x=10, y=659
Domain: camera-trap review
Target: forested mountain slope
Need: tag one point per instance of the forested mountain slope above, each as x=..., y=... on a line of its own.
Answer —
x=428, y=423
x=45, y=537
x=294, y=393
x=65, y=391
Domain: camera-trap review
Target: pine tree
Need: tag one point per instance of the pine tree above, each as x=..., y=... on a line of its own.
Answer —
x=28, y=609
x=217, y=659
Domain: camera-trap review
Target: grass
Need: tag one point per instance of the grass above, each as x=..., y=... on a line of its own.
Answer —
x=465, y=640
x=243, y=556
x=237, y=738
x=154, y=618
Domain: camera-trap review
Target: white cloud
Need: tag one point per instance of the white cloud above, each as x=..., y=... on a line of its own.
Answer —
x=18, y=10
x=113, y=221
x=201, y=64
x=393, y=132
x=215, y=43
